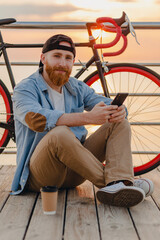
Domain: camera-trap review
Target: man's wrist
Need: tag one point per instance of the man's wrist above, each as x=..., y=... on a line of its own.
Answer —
x=87, y=118
x=75, y=119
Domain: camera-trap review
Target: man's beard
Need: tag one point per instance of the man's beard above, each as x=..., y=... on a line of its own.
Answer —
x=58, y=79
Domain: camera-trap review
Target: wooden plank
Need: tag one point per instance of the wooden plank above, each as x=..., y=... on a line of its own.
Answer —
x=155, y=177
x=115, y=222
x=47, y=227
x=81, y=219
x=6, y=177
x=15, y=215
x=146, y=217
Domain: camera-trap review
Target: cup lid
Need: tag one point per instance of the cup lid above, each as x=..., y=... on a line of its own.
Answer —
x=49, y=189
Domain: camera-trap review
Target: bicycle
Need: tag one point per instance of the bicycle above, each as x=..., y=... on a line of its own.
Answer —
x=108, y=79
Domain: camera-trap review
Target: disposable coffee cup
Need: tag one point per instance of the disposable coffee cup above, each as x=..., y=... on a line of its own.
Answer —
x=49, y=196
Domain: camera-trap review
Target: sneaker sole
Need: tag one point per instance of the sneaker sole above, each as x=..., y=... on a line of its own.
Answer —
x=122, y=198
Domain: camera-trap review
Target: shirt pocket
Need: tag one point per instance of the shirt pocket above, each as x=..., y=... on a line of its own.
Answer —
x=79, y=109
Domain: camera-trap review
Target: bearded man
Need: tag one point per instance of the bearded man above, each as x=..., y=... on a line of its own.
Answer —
x=52, y=147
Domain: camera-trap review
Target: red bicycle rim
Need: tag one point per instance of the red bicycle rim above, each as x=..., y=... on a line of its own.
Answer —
x=8, y=110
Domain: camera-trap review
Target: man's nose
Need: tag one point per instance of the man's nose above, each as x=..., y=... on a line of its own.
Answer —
x=62, y=62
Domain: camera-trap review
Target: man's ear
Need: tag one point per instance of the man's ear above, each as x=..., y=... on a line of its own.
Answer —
x=43, y=58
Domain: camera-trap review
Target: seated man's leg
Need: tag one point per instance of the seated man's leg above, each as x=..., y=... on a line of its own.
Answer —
x=118, y=154
x=60, y=159
x=111, y=143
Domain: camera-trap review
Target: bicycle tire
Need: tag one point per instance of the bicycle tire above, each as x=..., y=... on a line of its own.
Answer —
x=5, y=113
x=139, y=82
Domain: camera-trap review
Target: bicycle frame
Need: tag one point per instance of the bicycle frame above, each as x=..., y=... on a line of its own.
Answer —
x=95, y=58
x=4, y=46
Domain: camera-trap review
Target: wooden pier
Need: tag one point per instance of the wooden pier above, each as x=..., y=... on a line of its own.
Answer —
x=79, y=215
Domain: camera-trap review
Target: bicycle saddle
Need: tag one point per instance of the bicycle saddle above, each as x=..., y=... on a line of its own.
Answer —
x=7, y=21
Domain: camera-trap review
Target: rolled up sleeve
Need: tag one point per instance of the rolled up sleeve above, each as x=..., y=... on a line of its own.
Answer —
x=29, y=110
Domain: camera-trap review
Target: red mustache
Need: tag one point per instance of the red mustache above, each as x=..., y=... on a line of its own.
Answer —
x=60, y=69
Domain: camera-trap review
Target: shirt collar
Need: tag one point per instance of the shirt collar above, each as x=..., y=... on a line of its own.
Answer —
x=70, y=88
x=40, y=81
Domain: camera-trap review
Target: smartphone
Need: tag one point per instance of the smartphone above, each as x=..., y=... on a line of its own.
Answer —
x=119, y=99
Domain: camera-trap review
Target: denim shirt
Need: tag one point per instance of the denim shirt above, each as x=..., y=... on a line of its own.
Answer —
x=31, y=95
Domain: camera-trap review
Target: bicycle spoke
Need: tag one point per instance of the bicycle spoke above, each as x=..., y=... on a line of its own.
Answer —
x=148, y=140
x=111, y=90
x=150, y=120
x=137, y=147
x=120, y=81
x=140, y=109
x=114, y=85
x=151, y=133
x=157, y=129
x=143, y=145
x=144, y=90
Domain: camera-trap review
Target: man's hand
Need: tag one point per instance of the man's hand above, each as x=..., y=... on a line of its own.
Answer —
x=101, y=113
x=119, y=115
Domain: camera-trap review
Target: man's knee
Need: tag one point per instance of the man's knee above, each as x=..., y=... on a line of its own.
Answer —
x=123, y=123
x=61, y=134
x=123, y=128
x=126, y=125
x=118, y=127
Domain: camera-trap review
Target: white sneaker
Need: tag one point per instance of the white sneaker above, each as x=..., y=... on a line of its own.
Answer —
x=121, y=195
x=145, y=184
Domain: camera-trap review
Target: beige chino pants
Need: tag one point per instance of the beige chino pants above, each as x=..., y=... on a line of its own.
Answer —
x=60, y=159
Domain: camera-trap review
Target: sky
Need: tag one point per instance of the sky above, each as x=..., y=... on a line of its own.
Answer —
x=82, y=11
x=79, y=10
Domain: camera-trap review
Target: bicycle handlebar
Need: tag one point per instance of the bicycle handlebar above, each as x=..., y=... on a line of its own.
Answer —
x=120, y=20
x=115, y=21
x=115, y=28
x=111, y=54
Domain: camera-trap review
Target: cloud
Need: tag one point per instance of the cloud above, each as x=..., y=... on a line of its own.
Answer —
x=13, y=10
x=124, y=1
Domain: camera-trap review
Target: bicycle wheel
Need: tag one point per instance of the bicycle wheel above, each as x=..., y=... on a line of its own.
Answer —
x=143, y=104
x=5, y=113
